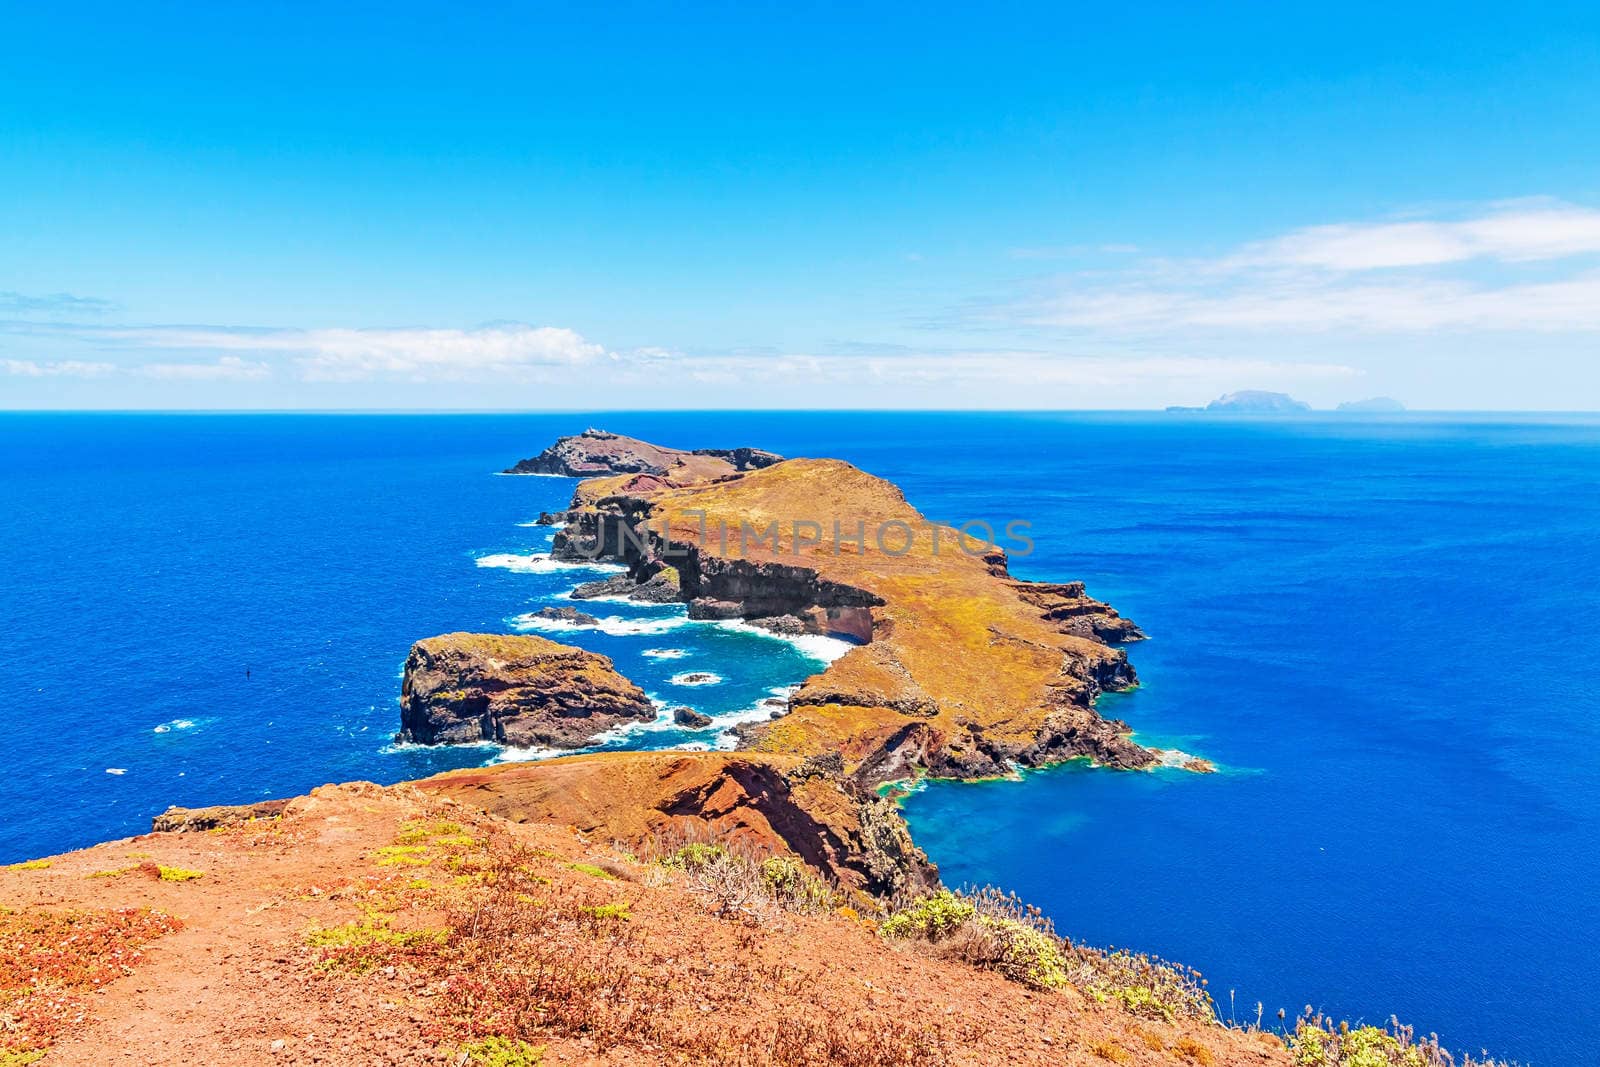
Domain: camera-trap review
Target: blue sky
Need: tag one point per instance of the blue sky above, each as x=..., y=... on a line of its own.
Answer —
x=581, y=206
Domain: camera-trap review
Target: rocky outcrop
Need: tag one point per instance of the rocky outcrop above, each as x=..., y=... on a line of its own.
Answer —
x=569, y=615
x=1075, y=612
x=195, y=820
x=660, y=587
x=772, y=804
x=690, y=718
x=516, y=690
x=597, y=452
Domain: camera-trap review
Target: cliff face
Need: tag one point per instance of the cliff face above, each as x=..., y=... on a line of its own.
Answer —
x=772, y=805
x=515, y=690
x=596, y=452
x=962, y=670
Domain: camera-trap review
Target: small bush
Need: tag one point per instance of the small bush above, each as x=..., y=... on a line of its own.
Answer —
x=178, y=874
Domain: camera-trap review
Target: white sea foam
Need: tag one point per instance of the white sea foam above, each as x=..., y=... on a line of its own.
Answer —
x=665, y=653
x=175, y=724
x=615, y=625
x=508, y=754
x=541, y=563
x=696, y=678
x=817, y=646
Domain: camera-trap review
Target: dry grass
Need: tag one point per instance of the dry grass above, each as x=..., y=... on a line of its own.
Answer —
x=51, y=963
x=526, y=959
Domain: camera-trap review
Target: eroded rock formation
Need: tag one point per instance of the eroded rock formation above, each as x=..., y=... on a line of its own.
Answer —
x=516, y=690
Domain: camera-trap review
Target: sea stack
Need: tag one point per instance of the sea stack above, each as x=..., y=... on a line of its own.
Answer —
x=515, y=690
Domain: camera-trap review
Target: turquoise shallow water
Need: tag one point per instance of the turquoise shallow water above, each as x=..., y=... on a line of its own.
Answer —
x=1385, y=631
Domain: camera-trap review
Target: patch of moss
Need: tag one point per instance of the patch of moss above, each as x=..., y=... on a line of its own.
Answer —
x=370, y=932
x=179, y=874
x=403, y=856
x=28, y=865
x=617, y=910
x=502, y=1052
x=116, y=872
x=419, y=831
x=593, y=871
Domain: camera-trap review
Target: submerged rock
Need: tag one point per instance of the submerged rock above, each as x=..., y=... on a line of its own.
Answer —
x=516, y=690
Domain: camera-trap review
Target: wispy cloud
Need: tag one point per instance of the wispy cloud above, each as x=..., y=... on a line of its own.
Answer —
x=226, y=369
x=68, y=368
x=15, y=303
x=1519, y=232
x=413, y=354
x=1522, y=266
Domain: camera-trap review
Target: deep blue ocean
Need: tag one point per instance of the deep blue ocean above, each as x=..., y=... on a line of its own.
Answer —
x=1386, y=632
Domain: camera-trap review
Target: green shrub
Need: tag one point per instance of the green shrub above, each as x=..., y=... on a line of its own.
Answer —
x=1025, y=954
x=932, y=918
x=694, y=856
x=793, y=885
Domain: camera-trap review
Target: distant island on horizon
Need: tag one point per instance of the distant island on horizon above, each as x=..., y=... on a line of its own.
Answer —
x=1263, y=402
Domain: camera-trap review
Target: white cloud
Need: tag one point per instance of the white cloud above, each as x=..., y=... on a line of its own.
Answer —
x=410, y=354
x=1514, y=233
x=226, y=369
x=1389, y=277
x=70, y=368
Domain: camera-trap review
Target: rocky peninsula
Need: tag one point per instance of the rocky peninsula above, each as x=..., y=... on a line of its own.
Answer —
x=961, y=670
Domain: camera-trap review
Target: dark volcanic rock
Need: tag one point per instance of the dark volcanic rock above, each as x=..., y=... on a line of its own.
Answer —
x=517, y=690
x=1074, y=612
x=689, y=717
x=572, y=615
x=596, y=452
x=659, y=588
